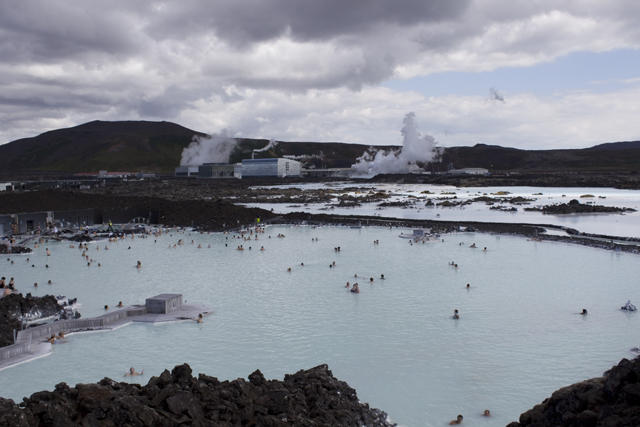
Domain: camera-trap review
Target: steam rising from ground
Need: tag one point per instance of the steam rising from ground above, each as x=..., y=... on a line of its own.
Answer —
x=415, y=148
x=215, y=148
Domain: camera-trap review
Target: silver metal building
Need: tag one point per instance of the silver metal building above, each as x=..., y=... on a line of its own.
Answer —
x=270, y=167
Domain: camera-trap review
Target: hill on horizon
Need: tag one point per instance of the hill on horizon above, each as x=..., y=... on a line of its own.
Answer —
x=132, y=146
x=99, y=145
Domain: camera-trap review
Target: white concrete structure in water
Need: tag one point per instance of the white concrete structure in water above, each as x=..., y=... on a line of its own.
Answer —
x=164, y=303
x=270, y=167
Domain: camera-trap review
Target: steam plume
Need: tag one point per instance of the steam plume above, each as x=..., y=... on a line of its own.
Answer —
x=272, y=143
x=215, y=148
x=415, y=148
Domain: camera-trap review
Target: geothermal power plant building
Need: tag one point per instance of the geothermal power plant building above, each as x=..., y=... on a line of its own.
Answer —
x=270, y=167
x=248, y=168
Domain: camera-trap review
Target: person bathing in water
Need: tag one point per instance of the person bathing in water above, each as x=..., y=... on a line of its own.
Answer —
x=133, y=372
x=458, y=420
x=455, y=314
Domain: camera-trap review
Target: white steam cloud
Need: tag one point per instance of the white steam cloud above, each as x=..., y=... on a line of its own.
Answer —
x=215, y=148
x=272, y=143
x=415, y=148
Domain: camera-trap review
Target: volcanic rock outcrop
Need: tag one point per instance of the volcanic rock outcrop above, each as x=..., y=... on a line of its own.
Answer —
x=609, y=401
x=307, y=398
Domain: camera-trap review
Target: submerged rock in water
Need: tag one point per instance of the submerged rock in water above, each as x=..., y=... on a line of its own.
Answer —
x=308, y=398
x=611, y=400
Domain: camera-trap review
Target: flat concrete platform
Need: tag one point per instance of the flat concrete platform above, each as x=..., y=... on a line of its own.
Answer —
x=40, y=347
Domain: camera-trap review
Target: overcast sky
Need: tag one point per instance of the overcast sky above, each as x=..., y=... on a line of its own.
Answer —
x=519, y=73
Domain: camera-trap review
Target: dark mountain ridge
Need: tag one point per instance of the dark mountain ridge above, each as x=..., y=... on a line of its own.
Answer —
x=134, y=146
x=125, y=145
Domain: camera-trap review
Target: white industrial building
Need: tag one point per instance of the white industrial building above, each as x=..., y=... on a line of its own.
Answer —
x=248, y=168
x=270, y=167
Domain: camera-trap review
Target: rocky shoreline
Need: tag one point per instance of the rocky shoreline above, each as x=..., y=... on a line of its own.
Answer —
x=612, y=400
x=307, y=398
x=528, y=231
x=312, y=397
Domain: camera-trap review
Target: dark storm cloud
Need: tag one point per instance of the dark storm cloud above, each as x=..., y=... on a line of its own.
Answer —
x=246, y=22
x=44, y=31
x=248, y=62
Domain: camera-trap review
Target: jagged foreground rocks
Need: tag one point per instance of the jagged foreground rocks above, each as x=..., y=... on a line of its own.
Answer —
x=609, y=401
x=307, y=398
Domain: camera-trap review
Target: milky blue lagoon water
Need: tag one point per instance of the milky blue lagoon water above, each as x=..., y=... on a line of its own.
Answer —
x=517, y=340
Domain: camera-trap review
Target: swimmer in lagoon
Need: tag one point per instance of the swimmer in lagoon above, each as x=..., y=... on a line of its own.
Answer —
x=473, y=245
x=468, y=286
x=133, y=372
x=584, y=312
x=382, y=276
x=370, y=279
x=486, y=413
x=199, y=319
x=139, y=265
x=458, y=420
x=289, y=269
x=355, y=289
x=120, y=304
x=106, y=307
x=455, y=314
x=347, y=285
